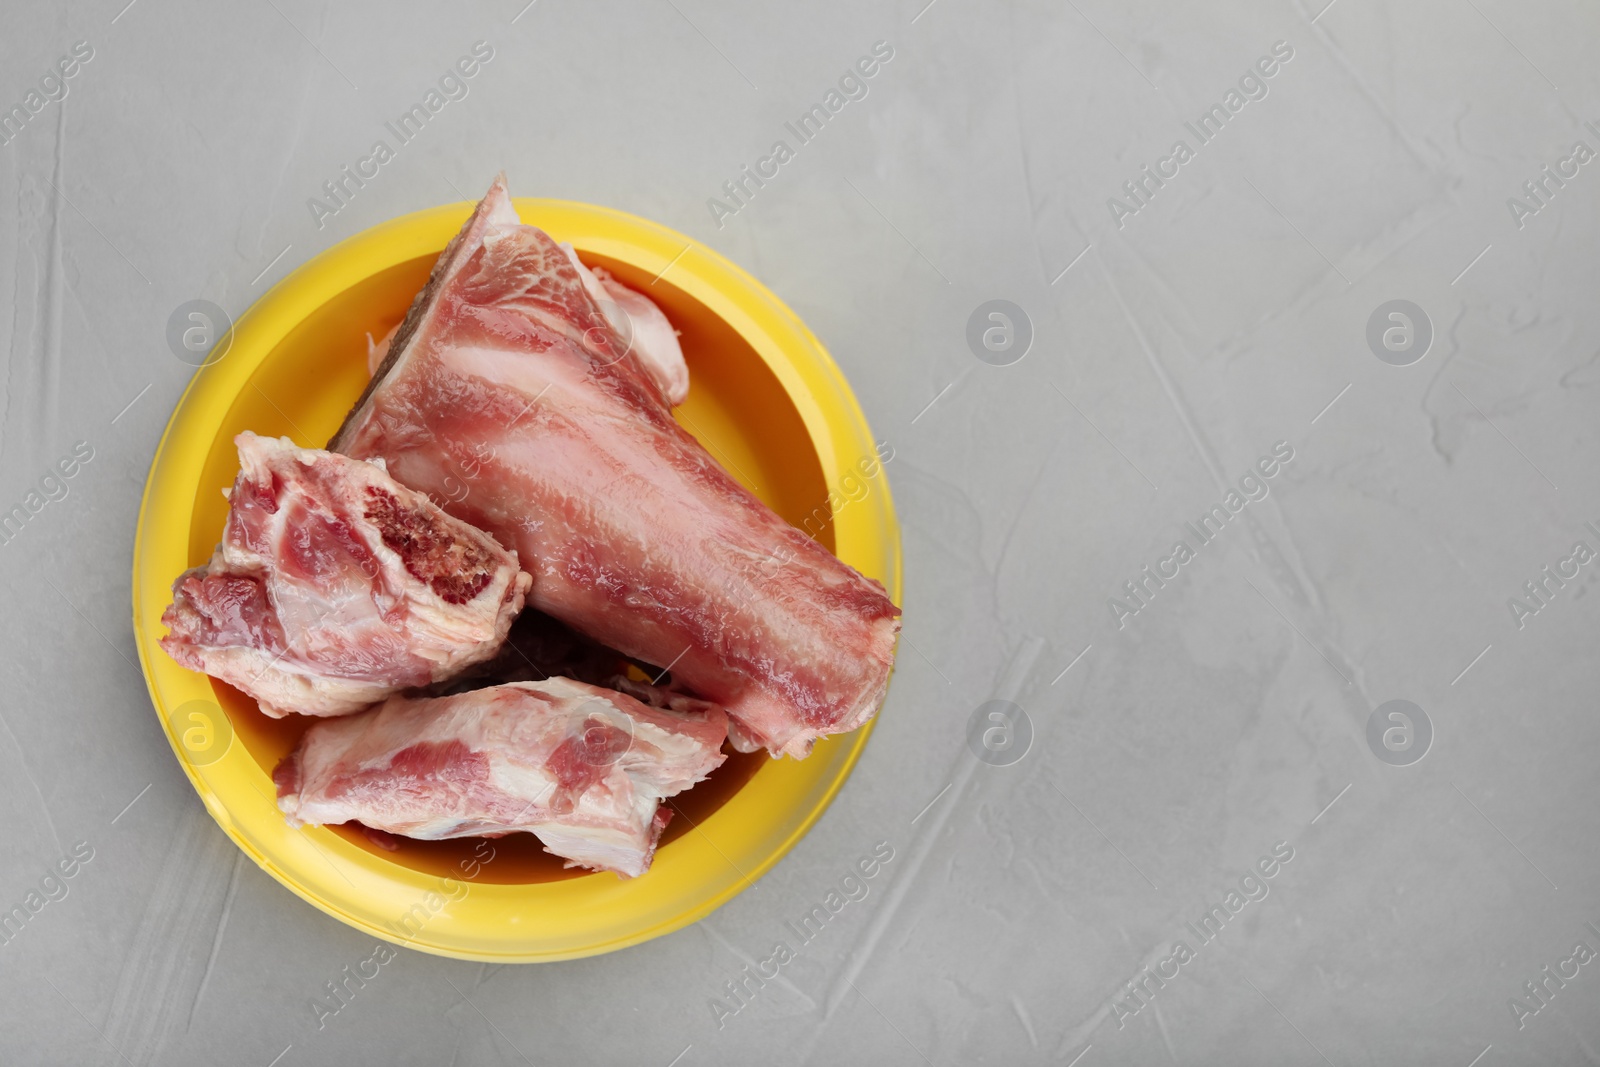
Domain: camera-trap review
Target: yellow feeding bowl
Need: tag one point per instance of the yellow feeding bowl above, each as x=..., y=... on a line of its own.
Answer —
x=765, y=399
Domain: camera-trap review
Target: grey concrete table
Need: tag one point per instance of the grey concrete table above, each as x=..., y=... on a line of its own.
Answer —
x=1218, y=845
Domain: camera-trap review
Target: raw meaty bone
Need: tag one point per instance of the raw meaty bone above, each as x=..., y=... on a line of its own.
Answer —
x=334, y=586
x=506, y=398
x=582, y=767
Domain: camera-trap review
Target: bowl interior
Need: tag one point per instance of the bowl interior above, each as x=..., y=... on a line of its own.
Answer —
x=737, y=408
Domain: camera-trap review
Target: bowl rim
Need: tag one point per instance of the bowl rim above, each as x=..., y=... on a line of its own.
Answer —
x=487, y=921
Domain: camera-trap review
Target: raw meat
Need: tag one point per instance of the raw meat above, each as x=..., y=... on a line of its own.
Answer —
x=506, y=398
x=583, y=767
x=643, y=328
x=335, y=587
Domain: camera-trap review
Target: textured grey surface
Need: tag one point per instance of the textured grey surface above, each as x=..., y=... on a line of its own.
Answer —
x=1221, y=318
